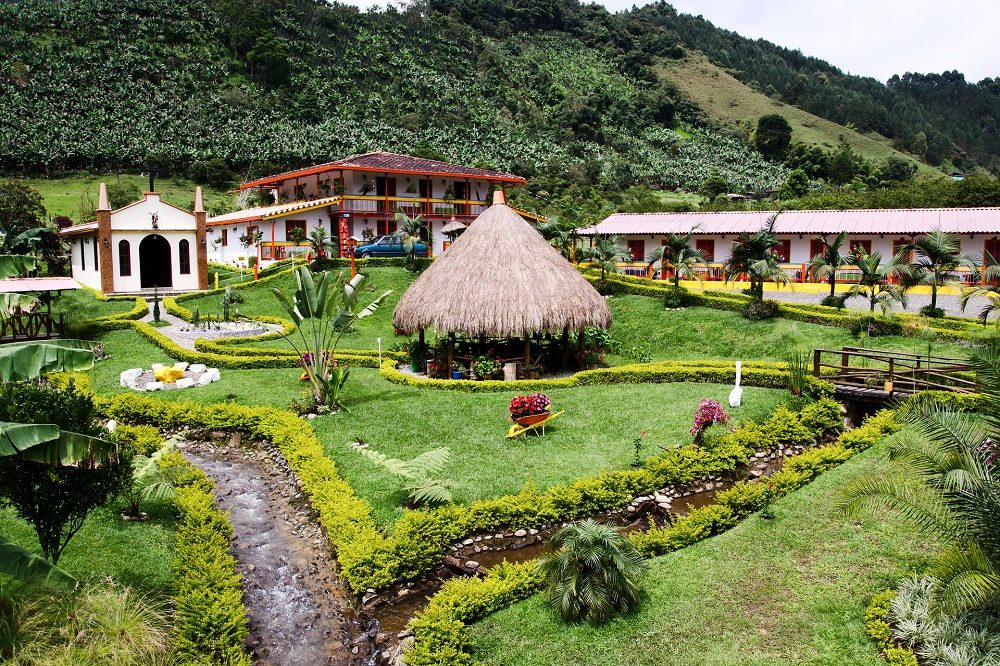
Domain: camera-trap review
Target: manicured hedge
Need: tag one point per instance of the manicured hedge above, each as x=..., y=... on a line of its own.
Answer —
x=440, y=629
x=877, y=626
x=210, y=623
x=138, y=311
x=768, y=375
x=947, y=328
x=345, y=516
x=419, y=538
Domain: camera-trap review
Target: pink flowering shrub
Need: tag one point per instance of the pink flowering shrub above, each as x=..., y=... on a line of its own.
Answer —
x=709, y=412
x=527, y=405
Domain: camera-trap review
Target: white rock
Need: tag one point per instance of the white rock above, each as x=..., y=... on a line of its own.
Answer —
x=128, y=377
x=185, y=382
x=212, y=374
x=197, y=367
x=154, y=386
x=183, y=365
x=156, y=366
x=111, y=425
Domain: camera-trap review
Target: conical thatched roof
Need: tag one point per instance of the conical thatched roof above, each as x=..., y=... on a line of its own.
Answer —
x=500, y=279
x=453, y=226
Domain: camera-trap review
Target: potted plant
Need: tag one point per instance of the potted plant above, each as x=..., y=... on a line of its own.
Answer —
x=338, y=188
x=533, y=371
x=486, y=367
x=418, y=355
x=411, y=188
x=530, y=409
x=367, y=188
x=457, y=372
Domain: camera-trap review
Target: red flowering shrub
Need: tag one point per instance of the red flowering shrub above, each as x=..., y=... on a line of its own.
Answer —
x=709, y=412
x=527, y=405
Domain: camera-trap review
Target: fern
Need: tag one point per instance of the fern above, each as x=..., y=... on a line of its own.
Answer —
x=419, y=475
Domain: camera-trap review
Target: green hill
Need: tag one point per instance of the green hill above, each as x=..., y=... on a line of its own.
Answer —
x=730, y=102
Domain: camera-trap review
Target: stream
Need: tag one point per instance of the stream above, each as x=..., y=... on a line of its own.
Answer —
x=299, y=611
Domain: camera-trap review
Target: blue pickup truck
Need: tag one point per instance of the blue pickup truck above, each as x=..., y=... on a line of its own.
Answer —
x=389, y=246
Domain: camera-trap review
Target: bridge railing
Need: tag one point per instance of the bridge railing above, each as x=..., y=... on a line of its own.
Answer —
x=860, y=369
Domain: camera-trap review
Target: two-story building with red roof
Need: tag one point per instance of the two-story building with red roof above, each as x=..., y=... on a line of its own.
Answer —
x=357, y=198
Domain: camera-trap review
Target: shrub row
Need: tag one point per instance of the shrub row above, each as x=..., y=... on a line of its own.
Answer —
x=138, y=311
x=947, y=328
x=877, y=626
x=345, y=516
x=210, y=623
x=440, y=629
x=767, y=375
x=419, y=538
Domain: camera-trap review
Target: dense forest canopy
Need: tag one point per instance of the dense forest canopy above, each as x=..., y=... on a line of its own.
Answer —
x=559, y=91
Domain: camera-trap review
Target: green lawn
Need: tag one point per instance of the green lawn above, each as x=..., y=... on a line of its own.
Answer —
x=706, y=333
x=789, y=591
x=69, y=194
x=595, y=433
x=133, y=554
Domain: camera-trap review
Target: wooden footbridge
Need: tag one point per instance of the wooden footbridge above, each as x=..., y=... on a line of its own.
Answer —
x=872, y=375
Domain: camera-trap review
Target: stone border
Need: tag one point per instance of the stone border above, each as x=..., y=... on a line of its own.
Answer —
x=197, y=374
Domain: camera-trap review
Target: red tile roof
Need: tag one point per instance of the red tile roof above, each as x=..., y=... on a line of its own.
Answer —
x=383, y=162
x=883, y=221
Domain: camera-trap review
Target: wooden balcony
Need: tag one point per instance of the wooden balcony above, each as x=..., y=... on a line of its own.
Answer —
x=30, y=326
x=376, y=206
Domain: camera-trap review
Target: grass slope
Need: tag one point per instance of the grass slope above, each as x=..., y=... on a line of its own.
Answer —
x=788, y=591
x=732, y=102
x=67, y=195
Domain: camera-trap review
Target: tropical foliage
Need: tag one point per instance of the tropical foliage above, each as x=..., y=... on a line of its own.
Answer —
x=944, y=479
x=420, y=476
x=754, y=256
x=875, y=282
x=594, y=572
x=936, y=258
x=150, y=482
x=679, y=256
x=319, y=331
x=829, y=261
x=606, y=253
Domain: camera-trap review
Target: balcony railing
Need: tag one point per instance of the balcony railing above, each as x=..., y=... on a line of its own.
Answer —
x=795, y=272
x=377, y=205
x=278, y=250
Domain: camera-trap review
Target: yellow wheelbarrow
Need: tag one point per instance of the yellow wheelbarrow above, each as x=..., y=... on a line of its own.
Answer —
x=519, y=429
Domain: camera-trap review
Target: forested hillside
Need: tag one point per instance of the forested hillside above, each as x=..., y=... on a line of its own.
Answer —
x=561, y=92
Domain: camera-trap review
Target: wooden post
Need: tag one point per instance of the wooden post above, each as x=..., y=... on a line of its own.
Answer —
x=816, y=362
x=451, y=351
x=527, y=350
x=892, y=385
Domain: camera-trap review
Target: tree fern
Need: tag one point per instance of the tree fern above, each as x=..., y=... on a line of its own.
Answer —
x=420, y=475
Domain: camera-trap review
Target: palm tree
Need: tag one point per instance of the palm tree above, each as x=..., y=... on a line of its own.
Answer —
x=593, y=572
x=830, y=260
x=936, y=258
x=606, y=253
x=753, y=254
x=990, y=290
x=561, y=234
x=680, y=255
x=944, y=480
x=414, y=229
x=320, y=241
x=874, y=283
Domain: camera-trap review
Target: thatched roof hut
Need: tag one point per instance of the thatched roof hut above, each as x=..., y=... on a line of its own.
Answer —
x=501, y=279
x=453, y=227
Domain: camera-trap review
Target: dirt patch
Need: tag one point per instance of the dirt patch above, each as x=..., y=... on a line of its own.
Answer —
x=299, y=612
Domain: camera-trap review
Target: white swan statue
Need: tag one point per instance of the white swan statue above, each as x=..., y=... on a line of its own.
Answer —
x=736, y=395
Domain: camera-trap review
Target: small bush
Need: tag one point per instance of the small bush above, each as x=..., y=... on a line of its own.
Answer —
x=934, y=313
x=834, y=301
x=676, y=298
x=761, y=311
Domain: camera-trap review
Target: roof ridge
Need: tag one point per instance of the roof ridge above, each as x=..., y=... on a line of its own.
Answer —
x=809, y=210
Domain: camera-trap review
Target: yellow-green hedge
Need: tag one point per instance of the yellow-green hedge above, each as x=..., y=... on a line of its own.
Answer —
x=767, y=375
x=877, y=626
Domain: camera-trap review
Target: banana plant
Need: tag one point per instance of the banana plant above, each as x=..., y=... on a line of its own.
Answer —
x=24, y=361
x=319, y=333
x=25, y=566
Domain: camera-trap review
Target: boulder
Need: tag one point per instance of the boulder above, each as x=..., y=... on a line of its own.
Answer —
x=154, y=386
x=128, y=377
x=197, y=367
x=186, y=382
x=182, y=365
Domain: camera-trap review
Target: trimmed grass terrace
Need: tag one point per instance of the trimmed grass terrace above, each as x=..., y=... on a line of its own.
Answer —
x=788, y=591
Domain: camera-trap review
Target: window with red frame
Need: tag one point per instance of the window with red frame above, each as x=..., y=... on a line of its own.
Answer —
x=899, y=245
x=866, y=245
x=815, y=247
x=784, y=250
x=707, y=248
x=291, y=225
x=637, y=248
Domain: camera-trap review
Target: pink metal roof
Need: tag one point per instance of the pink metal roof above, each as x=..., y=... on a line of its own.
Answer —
x=79, y=229
x=31, y=285
x=906, y=221
x=268, y=212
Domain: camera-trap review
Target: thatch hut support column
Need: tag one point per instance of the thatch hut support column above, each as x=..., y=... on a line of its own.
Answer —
x=527, y=350
x=451, y=350
x=581, y=346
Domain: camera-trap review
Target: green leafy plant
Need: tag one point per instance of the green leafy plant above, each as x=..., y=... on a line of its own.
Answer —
x=594, y=572
x=679, y=256
x=309, y=309
x=606, y=253
x=420, y=476
x=875, y=280
x=753, y=255
x=149, y=481
x=936, y=258
x=828, y=262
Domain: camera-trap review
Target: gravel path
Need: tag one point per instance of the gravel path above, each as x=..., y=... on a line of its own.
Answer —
x=181, y=332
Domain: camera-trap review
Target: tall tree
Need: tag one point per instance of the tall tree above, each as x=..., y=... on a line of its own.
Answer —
x=937, y=258
x=754, y=256
x=773, y=136
x=829, y=261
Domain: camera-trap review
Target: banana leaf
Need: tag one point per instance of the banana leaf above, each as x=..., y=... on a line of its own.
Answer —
x=12, y=304
x=25, y=566
x=46, y=443
x=24, y=361
x=12, y=265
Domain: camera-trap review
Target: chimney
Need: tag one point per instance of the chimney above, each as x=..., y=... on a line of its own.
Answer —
x=200, y=219
x=498, y=198
x=103, y=240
